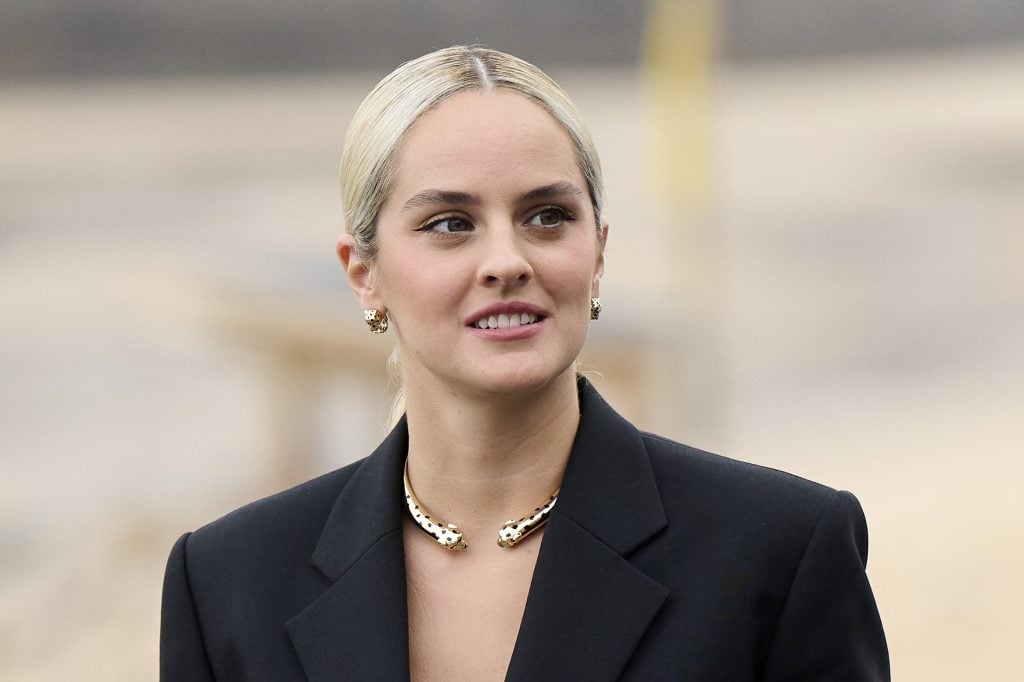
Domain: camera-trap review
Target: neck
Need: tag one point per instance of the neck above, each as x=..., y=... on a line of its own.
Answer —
x=478, y=462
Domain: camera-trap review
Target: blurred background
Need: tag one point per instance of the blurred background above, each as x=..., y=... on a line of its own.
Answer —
x=815, y=264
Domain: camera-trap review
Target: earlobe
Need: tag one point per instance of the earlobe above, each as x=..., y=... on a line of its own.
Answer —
x=358, y=272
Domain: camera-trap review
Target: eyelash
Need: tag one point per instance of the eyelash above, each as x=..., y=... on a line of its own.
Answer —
x=429, y=227
x=564, y=215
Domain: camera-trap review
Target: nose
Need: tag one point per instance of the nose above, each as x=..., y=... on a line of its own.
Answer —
x=504, y=261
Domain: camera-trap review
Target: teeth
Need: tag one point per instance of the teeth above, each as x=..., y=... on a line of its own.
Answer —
x=504, y=321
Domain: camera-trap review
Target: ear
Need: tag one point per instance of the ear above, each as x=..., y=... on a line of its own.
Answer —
x=602, y=240
x=359, y=273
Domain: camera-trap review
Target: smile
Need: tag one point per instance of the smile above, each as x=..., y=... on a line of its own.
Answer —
x=504, y=321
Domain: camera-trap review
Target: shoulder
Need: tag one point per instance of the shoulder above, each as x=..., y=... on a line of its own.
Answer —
x=752, y=525
x=288, y=523
x=751, y=554
x=681, y=465
x=753, y=503
x=705, y=496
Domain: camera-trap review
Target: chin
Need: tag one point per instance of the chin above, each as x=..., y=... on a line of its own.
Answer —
x=519, y=377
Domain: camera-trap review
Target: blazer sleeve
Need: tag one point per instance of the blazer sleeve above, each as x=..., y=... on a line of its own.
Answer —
x=829, y=628
x=182, y=651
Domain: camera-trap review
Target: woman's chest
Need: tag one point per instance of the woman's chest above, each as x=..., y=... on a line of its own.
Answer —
x=465, y=610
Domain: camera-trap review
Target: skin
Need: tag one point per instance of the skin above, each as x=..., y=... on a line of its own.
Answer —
x=489, y=208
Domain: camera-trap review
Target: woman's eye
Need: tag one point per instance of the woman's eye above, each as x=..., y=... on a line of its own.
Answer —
x=449, y=225
x=550, y=217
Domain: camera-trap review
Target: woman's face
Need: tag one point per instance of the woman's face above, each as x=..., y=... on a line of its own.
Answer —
x=488, y=252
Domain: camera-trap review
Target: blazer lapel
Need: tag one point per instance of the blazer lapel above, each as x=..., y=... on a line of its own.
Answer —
x=357, y=629
x=589, y=607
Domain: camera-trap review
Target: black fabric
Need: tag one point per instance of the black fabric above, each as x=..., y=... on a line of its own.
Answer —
x=660, y=562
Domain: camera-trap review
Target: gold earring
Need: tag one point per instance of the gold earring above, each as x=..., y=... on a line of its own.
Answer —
x=595, y=308
x=376, y=320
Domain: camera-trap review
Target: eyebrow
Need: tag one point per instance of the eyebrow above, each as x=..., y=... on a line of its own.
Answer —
x=436, y=197
x=556, y=189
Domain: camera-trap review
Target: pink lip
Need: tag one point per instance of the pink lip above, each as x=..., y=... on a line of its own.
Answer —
x=508, y=333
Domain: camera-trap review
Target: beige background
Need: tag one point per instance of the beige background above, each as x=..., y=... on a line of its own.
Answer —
x=847, y=305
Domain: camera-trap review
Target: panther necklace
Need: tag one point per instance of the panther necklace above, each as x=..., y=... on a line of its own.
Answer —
x=450, y=537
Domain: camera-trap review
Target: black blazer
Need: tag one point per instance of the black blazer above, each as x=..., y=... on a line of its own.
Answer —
x=660, y=562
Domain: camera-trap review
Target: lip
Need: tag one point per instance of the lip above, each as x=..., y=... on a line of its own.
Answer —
x=508, y=333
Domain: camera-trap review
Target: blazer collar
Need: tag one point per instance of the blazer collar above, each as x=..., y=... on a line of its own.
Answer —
x=609, y=487
x=587, y=609
x=357, y=629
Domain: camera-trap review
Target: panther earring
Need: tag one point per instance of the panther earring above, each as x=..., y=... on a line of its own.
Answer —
x=376, y=320
x=595, y=308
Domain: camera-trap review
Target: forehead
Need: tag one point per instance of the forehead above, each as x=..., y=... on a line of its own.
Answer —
x=497, y=138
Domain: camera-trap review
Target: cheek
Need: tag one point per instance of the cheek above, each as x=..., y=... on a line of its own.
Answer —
x=574, y=271
x=396, y=271
x=415, y=287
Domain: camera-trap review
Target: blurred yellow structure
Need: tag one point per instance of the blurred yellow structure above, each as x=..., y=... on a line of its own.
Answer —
x=678, y=68
x=678, y=54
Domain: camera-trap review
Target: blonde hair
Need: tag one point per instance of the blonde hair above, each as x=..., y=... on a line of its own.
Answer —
x=397, y=102
x=368, y=163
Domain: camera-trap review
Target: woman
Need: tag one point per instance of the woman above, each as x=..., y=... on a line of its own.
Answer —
x=474, y=232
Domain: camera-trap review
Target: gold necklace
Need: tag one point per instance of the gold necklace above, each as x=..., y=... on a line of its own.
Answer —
x=450, y=537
